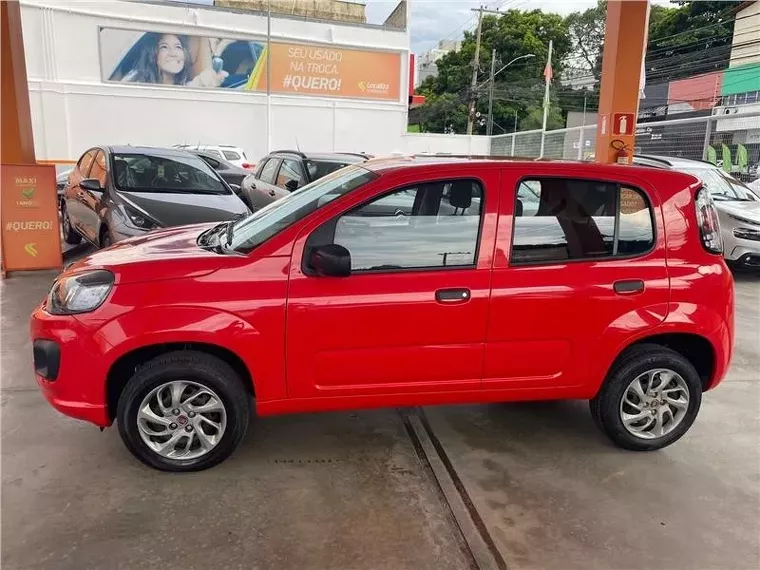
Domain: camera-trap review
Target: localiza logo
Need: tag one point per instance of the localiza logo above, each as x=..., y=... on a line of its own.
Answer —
x=374, y=87
x=31, y=249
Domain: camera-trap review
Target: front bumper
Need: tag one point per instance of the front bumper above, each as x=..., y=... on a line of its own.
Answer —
x=78, y=387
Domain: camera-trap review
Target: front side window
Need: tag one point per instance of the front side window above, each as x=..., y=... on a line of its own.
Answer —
x=272, y=219
x=268, y=171
x=429, y=225
x=85, y=162
x=98, y=170
x=138, y=172
x=565, y=219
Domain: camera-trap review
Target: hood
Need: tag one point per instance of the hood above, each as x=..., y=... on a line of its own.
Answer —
x=175, y=209
x=163, y=254
x=748, y=210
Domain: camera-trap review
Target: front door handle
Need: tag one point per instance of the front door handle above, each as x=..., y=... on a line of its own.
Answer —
x=629, y=287
x=452, y=295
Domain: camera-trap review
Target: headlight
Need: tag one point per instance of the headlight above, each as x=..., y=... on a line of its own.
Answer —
x=744, y=220
x=137, y=219
x=79, y=293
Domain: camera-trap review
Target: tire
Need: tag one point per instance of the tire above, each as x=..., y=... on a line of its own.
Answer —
x=105, y=238
x=70, y=235
x=607, y=407
x=195, y=369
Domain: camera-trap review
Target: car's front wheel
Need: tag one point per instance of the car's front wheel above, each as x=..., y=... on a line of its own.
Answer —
x=650, y=398
x=70, y=235
x=183, y=411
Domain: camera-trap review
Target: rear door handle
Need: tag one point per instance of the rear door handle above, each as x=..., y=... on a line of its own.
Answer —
x=452, y=295
x=272, y=193
x=629, y=287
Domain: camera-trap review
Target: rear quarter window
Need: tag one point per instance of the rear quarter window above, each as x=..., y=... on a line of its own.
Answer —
x=558, y=220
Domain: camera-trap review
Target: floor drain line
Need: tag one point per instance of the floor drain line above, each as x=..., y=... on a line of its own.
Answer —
x=478, y=541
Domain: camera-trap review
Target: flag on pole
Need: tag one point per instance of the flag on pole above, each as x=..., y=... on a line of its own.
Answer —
x=548, y=75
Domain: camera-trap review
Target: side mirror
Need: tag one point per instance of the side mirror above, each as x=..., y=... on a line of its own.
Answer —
x=291, y=185
x=92, y=184
x=331, y=260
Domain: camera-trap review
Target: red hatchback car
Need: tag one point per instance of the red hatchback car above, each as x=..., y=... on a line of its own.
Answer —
x=401, y=282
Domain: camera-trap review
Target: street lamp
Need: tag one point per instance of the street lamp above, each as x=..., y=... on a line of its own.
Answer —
x=489, y=128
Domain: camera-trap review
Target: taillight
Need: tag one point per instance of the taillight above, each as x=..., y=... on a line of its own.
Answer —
x=248, y=166
x=708, y=222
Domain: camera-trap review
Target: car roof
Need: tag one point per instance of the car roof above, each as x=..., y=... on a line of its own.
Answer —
x=153, y=150
x=676, y=162
x=347, y=157
x=573, y=168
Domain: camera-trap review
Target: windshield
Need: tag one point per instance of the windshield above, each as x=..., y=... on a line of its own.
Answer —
x=722, y=186
x=259, y=227
x=138, y=172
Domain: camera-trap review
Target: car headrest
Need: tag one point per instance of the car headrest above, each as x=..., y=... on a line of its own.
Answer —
x=460, y=194
x=518, y=207
x=120, y=169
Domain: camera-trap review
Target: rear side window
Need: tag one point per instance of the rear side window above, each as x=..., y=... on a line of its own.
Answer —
x=231, y=155
x=268, y=171
x=319, y=168
x=569, y=219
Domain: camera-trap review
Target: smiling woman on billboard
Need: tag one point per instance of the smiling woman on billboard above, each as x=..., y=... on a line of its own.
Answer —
x=176, y=59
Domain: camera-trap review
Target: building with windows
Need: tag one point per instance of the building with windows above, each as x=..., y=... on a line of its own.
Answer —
x=160, y=73
x=428, y=61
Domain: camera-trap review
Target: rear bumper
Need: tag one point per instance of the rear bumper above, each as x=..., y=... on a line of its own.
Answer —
x=69, y=367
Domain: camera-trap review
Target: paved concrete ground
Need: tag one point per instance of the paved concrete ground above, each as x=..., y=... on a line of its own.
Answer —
x=554, y=493
x=349, y=491
x=323, y=491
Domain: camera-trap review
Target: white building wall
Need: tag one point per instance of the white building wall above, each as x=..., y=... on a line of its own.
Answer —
x=746, y=36
x=73, y=109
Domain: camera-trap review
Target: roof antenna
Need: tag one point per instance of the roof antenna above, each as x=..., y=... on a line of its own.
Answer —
x=298, y=147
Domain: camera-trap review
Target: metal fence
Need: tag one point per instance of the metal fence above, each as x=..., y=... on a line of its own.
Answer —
x=729, y=140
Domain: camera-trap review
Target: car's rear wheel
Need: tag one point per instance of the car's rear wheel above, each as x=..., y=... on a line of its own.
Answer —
x=183, y=411
x=70, y=236
x=649, y=400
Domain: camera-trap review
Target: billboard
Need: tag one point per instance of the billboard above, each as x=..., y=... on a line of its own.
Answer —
x=189, y=61
x=31, y=236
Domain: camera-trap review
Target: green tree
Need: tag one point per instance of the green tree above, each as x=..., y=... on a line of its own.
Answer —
x=512, y=34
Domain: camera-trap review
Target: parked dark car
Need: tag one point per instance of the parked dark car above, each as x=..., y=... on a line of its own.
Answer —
x=282, y=171
x=61, y=179
x=116, y=192
x=232, y=174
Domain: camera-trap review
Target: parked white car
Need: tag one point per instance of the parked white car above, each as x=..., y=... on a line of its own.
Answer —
x=233, y=154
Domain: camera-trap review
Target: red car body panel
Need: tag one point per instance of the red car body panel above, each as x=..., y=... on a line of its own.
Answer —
x=527, y=332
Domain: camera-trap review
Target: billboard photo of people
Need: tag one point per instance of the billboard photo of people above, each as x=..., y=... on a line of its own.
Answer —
x=130, y=56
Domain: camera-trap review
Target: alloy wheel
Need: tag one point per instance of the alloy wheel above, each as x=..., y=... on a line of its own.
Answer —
x=654, y=403
x=181, y=420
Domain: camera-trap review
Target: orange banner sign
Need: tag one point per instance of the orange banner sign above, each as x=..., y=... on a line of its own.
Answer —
x=31, y=236
x=329, y=71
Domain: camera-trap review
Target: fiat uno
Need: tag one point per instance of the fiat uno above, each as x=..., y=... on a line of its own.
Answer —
x=401, y=282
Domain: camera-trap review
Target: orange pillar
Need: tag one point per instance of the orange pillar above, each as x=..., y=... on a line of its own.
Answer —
x=17, y=142
x=624, y=48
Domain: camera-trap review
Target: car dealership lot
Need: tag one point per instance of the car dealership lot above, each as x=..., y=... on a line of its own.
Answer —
x=353, y=490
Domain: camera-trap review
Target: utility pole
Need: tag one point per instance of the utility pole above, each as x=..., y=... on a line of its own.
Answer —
x=475, y=66
x=489, y=126
x=548, y=78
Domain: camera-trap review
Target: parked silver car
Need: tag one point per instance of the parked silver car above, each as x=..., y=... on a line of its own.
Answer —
x=738, y=206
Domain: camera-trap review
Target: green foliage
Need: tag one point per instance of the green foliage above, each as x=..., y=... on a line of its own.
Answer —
x=513, y=34
x=685, y=39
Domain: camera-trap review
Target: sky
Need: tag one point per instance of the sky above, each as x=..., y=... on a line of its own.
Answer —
x=433, y=20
